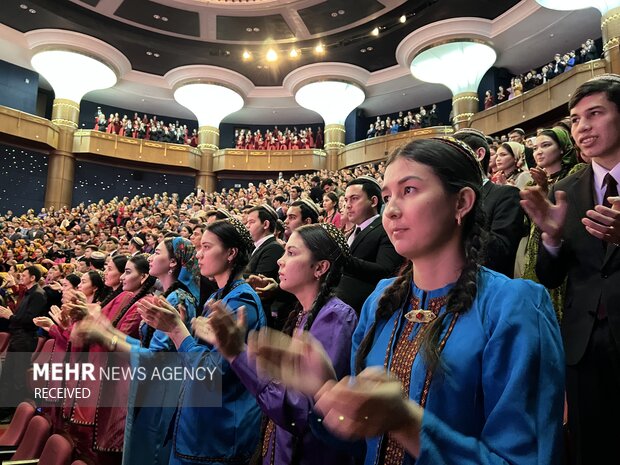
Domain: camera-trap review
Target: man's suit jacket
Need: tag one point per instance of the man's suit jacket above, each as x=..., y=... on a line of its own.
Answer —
x=372, y=258
x=504, y=217
x=264, y=259
x=592, y=268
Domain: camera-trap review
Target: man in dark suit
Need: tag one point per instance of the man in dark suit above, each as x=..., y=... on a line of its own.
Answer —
x=22, y=343
x=580, y=241
x=372, y=254
x=261, y=222
x=504, y=215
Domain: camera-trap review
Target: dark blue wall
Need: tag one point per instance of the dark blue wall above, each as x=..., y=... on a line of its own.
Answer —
x=94, y=181
x=23, y=175
x=18, y=87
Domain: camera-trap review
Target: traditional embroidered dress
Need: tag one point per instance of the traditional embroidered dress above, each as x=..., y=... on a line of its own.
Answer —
x=288, y=410
x=497, y=397
x=226, y=434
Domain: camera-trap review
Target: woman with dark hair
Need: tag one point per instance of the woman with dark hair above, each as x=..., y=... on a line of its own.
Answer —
x=332, y=215
x=476, y=359
x=93, y=287
x=509, y=155
x=174, y=264
x=230, y=431
x=310, y=269
x=555, y=158
x=186, y=232
x=98, y=429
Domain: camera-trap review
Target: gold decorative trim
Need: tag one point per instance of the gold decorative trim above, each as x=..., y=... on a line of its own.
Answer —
x=611, y=43
x=65, y=122
x=208, y=130
x=208, y=146
x=465, y=97
x=609, y=19
x=66, y=103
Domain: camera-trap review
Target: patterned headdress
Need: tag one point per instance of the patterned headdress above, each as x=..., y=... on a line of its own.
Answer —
x=338, y=237
x=242, y=231
x=185, y=254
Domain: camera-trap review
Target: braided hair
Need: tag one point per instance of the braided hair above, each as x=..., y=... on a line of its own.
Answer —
x=325, y=242
x=101, y=290
x=233, y=235
x=456, y=167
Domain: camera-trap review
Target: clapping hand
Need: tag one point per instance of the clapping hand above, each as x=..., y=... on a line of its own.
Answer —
x=369, y=405
x=159, y=314
x=540, y=178
x=549, y=218
x=604, y=222
x=221, y=330
x=300, y=362
x=43, y=322
x=5, y=313
x=59, y=317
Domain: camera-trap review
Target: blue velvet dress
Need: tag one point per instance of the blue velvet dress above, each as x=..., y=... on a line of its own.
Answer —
x=498, y=396
x=146, y=428
x=226, y=434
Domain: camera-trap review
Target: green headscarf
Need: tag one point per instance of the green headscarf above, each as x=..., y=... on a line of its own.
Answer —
x=569, y=155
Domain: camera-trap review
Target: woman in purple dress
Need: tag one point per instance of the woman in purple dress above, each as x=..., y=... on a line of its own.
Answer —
x=310, y=269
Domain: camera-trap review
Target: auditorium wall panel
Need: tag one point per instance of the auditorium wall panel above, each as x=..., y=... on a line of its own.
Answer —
x=18, y=87
x=23, y=175
x=94, y=181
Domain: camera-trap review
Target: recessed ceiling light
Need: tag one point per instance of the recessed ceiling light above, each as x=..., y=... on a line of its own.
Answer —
x=156, y=16
x=375, y=32
x=334, y=14
x=246, y=55
x=149, y=53
x=319, y=48
x=271, y=55
x=164, y=18
x=363, y=50
x=156, y=55
x=294, y=53
x=340, y=12
x=32, y=10
x=256, y=29
x=248, y=29
x=370, y=49
x=259, y=67
x=23, y=6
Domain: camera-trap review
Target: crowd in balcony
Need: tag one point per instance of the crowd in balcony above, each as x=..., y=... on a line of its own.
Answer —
x=561, y=63
x=147, y=128
x=393, y=124
x=276, y=139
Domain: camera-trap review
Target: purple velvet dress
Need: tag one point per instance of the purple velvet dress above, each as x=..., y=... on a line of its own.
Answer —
x=288, y=409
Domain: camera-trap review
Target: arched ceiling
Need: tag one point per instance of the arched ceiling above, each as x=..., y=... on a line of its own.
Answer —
x=160, y=37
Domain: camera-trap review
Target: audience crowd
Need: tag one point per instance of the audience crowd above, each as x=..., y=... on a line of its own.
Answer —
x=145, y=128
x=527, y=81
x=350, y=273
x=392, y=124
x=277, y=139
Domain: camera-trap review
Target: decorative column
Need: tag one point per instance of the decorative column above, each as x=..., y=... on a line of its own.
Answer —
x=333, y=100
x=211, y=103
x=71, y=75
x=459, y=65
x=610, y=24
x=610, y=27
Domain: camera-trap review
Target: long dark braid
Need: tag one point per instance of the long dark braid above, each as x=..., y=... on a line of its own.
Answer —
x=462, y=295
x=142, y=266
x=325, y=242
x=457, y=167
x=233, y=235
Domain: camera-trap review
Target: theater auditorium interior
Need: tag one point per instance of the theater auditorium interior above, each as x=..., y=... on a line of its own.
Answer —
x=385, y=229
